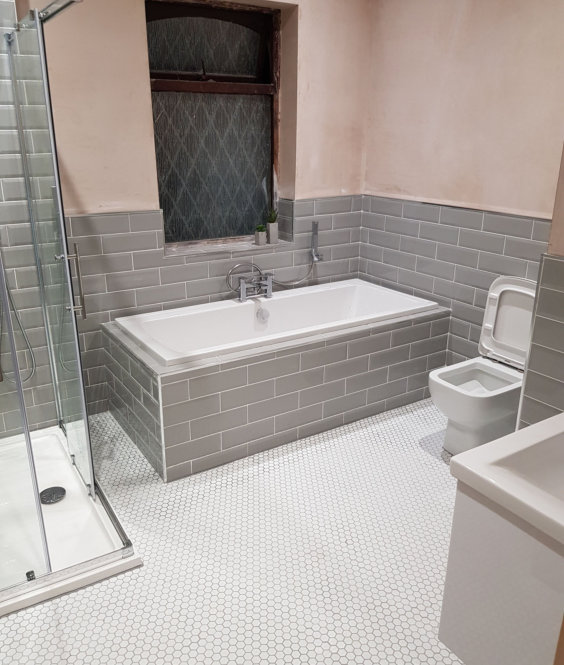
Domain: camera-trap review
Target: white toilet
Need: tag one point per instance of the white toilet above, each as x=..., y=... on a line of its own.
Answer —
x=480, y=397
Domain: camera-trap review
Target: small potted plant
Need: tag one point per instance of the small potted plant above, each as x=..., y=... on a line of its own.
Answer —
x=272, y=227
x=260, y=235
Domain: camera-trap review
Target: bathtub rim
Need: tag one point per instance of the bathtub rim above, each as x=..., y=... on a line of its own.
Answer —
x=256, y=346
x=210, y=364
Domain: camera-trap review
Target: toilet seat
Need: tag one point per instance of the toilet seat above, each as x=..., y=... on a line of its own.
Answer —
x=506, y=328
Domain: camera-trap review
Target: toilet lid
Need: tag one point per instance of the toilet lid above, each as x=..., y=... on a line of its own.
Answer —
x=506, y=330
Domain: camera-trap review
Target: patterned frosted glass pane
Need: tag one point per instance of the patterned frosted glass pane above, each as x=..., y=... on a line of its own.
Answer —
x=213, y=163
x=182, y=44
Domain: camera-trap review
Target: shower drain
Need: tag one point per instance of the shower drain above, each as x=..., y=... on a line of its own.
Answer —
x=52, y=495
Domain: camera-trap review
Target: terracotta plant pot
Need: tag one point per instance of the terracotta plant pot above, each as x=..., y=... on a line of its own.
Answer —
x=260, y=237
x=272, y=233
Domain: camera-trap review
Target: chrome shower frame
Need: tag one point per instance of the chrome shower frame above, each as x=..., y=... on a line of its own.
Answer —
x=35, y=19
x=54, y=8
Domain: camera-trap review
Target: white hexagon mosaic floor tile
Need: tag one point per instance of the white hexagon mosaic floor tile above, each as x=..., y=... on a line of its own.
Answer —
x=329, y=550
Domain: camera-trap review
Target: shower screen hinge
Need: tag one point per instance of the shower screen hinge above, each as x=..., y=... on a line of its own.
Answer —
x=76, y=258
x=30, y=575
x=72, y=459
x=74, y=308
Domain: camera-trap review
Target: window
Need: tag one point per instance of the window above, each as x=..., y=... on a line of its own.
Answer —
x=214, y=83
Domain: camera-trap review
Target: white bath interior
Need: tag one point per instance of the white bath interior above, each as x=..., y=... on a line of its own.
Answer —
x=189, y=333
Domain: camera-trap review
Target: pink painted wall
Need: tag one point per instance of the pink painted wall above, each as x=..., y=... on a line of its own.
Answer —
x=453, y=102
x=556, y=244
x=99, y=73
x=102, y=105
x=466, y=102
x=334, y=40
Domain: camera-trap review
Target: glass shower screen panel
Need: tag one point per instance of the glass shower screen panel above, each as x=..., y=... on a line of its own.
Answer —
x=23, y=545
x=34, y=118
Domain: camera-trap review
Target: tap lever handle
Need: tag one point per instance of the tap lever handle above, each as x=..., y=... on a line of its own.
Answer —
x=267, y=284
x=242, y=289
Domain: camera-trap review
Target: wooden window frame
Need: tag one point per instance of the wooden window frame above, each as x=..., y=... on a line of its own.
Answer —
x=260, y=19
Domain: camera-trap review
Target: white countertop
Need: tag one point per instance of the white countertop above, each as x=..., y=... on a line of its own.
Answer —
x=523, y=472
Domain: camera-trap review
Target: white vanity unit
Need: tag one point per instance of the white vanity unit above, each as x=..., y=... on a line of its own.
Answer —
x=504, y=593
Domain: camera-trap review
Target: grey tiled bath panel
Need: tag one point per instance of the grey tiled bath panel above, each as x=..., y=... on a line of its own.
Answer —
x=192, y=419
x=133, y=398
x=543, y=389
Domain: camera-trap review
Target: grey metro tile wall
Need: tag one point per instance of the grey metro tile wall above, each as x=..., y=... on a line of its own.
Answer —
x=543, y=386
x=18, y=256
x=127, y=271
x=449, y=255
x=186, y=421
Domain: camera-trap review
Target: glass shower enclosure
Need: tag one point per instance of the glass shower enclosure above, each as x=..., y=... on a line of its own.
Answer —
x=44, y=435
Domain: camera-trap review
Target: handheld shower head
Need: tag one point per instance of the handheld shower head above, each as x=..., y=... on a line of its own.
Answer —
x=315, y=255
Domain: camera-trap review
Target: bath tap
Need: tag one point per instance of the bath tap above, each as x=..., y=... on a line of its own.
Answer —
x=315, y=255
x=252, y=286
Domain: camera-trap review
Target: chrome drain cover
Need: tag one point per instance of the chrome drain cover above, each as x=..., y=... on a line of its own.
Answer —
x=52, y=495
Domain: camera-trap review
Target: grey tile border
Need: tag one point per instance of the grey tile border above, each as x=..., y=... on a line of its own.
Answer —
x=462, y=217
x=541, y=230
x=333, y=205
x=421, y=211
x=385, y=206
x=509, y=225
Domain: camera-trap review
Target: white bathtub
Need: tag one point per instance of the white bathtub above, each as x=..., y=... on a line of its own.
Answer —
x=188, y=333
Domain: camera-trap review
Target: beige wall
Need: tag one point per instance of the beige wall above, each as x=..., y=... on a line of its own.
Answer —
x=467, y=102
x=22, y=7
x=454, y=102
x=102, y=108
x=98, y=67
x=334, y=41
x=556, y=243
